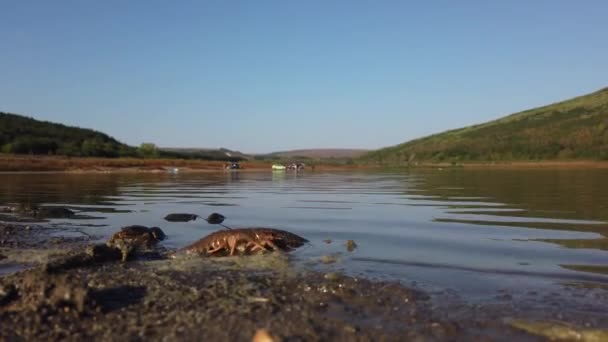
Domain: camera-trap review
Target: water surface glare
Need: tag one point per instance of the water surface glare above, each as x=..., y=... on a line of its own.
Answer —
x=473, y=231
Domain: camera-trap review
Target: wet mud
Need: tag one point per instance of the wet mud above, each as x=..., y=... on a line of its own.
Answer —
x=83, y=290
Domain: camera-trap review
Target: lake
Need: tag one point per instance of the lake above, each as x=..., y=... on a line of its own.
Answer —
x=475, y=233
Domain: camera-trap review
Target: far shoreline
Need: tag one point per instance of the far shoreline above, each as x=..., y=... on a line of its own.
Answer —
x=542, y=164
x=94, y=165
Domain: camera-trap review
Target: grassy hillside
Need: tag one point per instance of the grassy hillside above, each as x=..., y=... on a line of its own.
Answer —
x=24, y=135
x=572, y=129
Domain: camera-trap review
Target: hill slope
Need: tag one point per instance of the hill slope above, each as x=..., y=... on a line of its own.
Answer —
x=320, y=153
x=207, y=153
x=21, y=134
x=572, y=129
x=24, y=135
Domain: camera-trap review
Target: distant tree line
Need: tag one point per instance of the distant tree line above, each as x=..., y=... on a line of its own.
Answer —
x=23, y=135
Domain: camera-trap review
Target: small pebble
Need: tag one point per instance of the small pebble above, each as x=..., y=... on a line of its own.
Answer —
x=258, y=300
x=331, y=276
x=262, y=335
x=350, y=329
x=351, y=245
x=328, y=259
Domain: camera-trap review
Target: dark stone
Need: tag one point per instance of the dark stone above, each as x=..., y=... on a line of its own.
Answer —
x=180, y=217
x=7, y=294
x=215, y=218
x=53, y=212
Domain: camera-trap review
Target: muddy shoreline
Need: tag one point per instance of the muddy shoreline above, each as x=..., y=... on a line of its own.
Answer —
x=59, y=164
x=62, y=164
x=158, y=298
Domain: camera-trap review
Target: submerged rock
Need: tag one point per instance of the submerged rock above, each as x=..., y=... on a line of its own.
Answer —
x=181, y=217
x=351, y=245
x=328, y=259
x=215, y=218
x=19, y=208
x=41, y=212
x=53, y=212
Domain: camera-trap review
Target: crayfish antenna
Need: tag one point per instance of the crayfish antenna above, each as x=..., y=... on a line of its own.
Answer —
x=225, y=226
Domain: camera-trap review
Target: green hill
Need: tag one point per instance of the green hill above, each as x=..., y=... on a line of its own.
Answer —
x=572, y=129
x=24, y=135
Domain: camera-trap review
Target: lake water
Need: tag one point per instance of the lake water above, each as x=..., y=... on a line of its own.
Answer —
x=477, y=233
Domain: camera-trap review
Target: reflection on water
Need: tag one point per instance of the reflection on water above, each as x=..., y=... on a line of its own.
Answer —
x=472, y=230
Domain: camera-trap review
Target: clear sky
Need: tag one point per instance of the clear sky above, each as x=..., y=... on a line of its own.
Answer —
x=262, y=76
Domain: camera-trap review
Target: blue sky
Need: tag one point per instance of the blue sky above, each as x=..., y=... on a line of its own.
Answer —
x=261, y=76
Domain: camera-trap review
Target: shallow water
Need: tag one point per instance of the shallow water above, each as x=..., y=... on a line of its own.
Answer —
x=478, y=233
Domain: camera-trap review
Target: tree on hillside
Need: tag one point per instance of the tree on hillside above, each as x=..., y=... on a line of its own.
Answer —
x=148, y=150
